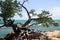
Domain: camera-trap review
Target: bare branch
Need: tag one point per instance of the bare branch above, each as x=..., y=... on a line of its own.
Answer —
x=32, y=24
x=35, y=18
x=26, y=11
x=29, y=20
x=24, y=1
x=39, y=18
x=26, y=23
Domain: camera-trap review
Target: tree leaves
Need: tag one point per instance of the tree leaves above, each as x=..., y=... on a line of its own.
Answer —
x=45, y=19
x=32, y=11
x=9, y=8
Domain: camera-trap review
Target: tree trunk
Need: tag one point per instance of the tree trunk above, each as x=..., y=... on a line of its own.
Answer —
x=15, y=29
x=26, y=23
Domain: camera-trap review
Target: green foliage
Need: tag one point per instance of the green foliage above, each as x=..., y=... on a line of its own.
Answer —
x=55, y=23
x=32, y=11
x=43, y=14
x=8, y=9
x=45, y=19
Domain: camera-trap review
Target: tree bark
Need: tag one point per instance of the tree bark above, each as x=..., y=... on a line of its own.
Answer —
x=29, y=17
x=26, y=11
x=26, y=23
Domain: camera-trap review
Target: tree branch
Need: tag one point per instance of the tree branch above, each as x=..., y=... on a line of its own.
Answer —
x=26, y=23
x=29, y=20
x=39, y=18
x=32, y=24
x=35, y=18
x=26, y=11
x=23, y=2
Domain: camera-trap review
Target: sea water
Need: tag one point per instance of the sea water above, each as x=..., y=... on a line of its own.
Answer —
x=5, y=30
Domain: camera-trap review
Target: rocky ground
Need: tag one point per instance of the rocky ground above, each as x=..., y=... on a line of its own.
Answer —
x=53, y=35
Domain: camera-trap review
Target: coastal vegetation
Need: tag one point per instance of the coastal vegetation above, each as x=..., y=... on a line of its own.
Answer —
x=9, y=8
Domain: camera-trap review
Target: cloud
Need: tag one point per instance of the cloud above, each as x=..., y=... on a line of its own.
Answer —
x=55, y=13
x=17, y=17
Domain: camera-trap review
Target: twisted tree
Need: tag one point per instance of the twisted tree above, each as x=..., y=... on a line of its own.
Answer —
x=8, y=8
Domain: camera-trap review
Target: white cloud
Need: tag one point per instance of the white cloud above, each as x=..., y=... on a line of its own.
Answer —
x=17, y=17
x=55, y=13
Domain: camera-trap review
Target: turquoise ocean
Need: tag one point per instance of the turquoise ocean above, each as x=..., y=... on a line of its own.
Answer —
x=5, y=30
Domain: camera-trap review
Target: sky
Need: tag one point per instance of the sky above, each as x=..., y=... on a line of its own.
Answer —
x=53, y=6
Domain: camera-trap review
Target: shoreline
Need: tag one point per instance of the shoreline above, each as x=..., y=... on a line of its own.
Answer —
x=53, y=34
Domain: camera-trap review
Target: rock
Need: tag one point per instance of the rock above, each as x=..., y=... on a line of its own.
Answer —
x=52, y=35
